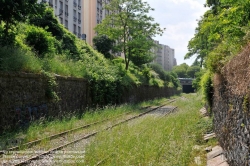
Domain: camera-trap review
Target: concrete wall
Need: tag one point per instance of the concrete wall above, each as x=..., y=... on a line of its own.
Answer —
x=23, y=97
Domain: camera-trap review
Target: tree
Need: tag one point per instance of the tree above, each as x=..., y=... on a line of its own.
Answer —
x=132, y=29
x=221, y=32
x=181, y=70
x=47, y=20
x=197, y=80
x=14, y=11
x=103, y=44
x=192, y=70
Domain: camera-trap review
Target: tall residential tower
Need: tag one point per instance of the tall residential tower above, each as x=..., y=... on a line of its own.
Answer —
x=79, y=16
x=164, y=56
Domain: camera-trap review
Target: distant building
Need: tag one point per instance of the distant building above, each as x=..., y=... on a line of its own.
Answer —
x=93, y=14
x=165, y=56
x=69, y=13
x=79, y=16
x=175, y=62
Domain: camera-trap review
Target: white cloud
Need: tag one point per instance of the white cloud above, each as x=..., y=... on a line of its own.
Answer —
x=179, y=18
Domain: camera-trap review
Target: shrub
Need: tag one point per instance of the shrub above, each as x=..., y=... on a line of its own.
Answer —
x=69, y=44
x=40, y=40
x=207, y=87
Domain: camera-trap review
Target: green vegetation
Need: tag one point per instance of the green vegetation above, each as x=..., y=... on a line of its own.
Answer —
x=11, y=14
x=44, y=127
x=128, y=23
x=38, y=43
x=207, y=87
x=185, y=71
x=154, y=140
x=104, y=45
x=222, y=32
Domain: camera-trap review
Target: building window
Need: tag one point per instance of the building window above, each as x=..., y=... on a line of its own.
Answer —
x=75, y=29
x=79, y=4
x=79, y=32
x=55, y=3
x=66, y=24
x=51, y=3
x=61, y=20
x=79, y=18
x=75, y=18
x=61, y=8
x=66, y=10
x=75, y=4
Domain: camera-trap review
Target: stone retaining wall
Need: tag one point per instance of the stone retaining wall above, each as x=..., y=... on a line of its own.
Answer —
x=231, y=109
x=23, y=97
x=232, y=126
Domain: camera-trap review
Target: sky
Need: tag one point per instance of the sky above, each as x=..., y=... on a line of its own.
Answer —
x=179, y=17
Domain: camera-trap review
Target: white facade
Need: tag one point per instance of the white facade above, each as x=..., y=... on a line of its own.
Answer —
x=69, y=13
x=164, y=56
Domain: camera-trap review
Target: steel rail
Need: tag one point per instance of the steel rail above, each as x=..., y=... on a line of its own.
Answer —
x=86, y=136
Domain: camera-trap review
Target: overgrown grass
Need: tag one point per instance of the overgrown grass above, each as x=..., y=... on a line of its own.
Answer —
x=165, y=141
x=15, y=59
x=43, y=127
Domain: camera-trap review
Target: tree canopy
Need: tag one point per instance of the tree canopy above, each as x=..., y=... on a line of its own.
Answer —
x=104, y=45
x=14, y=11
x=132, y=29
x=185, y=71
x=221, y=33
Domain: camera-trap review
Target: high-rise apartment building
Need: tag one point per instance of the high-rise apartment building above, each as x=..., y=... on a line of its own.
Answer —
x=164, y=56
x=79, y=16
x=69, y=13
x=93, y=14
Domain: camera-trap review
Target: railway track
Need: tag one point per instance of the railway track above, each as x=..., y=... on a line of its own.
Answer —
x=86, y=136
x=112, y=154
x=32, y=143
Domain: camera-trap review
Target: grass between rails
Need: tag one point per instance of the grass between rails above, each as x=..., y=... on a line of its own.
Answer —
x=43, y=128
x=167, y=141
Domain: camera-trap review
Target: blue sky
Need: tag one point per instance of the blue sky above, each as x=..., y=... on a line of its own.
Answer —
x=179, y=17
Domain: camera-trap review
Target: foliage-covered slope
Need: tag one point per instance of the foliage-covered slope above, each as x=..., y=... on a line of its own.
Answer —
x=41, y=44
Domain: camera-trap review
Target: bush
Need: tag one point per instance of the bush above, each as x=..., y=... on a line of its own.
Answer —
x=69, y=44
x=207, y=87
x=164, y=75
x=40, y=40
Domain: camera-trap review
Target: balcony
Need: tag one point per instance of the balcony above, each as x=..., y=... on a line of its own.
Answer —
x=79, y=21
x=79, y=7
